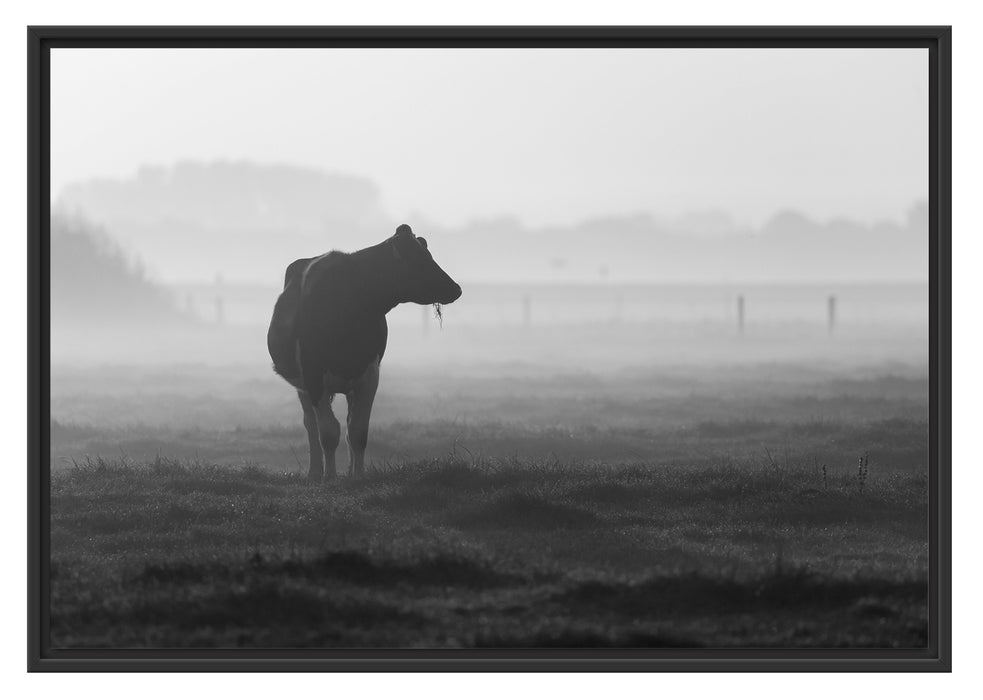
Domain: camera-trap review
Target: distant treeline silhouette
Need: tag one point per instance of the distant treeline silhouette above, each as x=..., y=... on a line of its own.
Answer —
x=272, y=214
x=226, y=194
x=93, y=281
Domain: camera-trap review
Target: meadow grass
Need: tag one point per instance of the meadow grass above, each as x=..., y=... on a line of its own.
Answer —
x=512, y=507
x=467, y=552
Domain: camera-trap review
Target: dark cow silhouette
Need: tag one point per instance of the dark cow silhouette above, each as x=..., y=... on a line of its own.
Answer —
x=329, y=332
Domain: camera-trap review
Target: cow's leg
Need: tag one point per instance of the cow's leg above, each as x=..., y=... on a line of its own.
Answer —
x=330, y=433
x=316, y=470
x=359, y=409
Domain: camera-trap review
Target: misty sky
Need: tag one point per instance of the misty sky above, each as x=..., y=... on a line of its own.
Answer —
x=548, y=136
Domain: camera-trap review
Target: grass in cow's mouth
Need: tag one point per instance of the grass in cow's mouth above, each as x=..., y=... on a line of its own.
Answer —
x=438, y=313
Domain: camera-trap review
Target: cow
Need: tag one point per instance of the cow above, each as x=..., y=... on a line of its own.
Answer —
x=328, y=334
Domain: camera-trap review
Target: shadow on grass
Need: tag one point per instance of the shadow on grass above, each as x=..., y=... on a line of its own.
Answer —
x=581, y=637
x=261, y=604
x=350, y=566
x=521, y=510
x=695, y=592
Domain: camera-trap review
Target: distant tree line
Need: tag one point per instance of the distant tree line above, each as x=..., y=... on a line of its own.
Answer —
x=93, y=282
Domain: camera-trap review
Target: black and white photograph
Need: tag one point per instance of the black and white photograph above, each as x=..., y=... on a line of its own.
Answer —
x=490, y=347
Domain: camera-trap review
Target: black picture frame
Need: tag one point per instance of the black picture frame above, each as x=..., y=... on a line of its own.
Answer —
x=936, y=657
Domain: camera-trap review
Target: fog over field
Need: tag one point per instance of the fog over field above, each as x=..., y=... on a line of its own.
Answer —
x=649, y=192
x=692, y=346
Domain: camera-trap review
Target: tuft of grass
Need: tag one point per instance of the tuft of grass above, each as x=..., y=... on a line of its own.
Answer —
x=863, y=465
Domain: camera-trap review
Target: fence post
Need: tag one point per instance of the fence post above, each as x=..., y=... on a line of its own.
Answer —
x=831, y=313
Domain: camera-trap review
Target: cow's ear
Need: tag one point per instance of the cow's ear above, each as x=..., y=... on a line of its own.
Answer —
x=422, y=241
x=405, y=243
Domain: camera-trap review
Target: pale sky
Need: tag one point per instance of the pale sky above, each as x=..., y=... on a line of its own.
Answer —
x=548, y=136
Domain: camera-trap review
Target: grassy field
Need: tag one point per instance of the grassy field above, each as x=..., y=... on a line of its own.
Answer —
x=708, y=507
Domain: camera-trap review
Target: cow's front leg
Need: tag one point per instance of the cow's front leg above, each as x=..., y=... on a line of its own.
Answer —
x=316, y=470
x=329, y=432
x=360, y=400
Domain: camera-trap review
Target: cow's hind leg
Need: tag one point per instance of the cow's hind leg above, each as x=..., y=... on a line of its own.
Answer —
x=316, y=470
x=329, y=432
x=359, y=410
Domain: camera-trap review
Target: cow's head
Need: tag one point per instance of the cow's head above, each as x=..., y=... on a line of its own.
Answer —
x=419, y=279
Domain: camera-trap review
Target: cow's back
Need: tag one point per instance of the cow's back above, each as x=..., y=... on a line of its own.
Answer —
x=321, y=328
x=281, y=339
